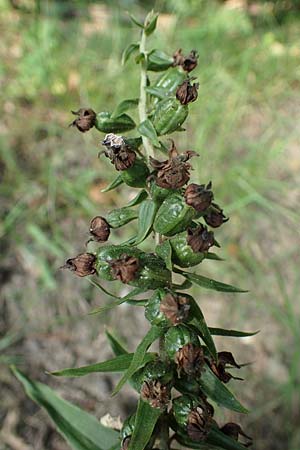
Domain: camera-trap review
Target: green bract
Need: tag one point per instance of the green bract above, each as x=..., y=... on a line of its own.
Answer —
x=169, y=81
x=182, y=253
x=169, y=115
x=179, y=336
x=173, y=216
x=136, y=176
x=119, y=124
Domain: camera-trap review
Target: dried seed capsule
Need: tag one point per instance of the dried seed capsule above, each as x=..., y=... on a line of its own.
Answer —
x=99, y=229
x=219, y=367
x=82, y=265
x=186, y=92
x=199, y=196
x=120, y=124
x=166, y=308
x=86, y=119
x=173, y=216
x=174, y=172
x=214, y=217
x=182, y=254
x=118, y=151
x=188, y=63
x=156, y=393
x=193, y=416
x=169, y=115
x=200, y=239
x=131, y=265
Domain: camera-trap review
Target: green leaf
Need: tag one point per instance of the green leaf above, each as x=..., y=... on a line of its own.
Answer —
x=114, y=184
x=147, y=129
x=164, y=251
x=116, y=346
x=125, y=105
x=213, y=256
x=80, y=429
x=132, y=48
x=217, y=438
x=150, y=22
x=147, y=214
x=158, y=61
x=142, y=195
x=187, y=442
x=118, y=364
x=231, y=333
x=121, y=216
x=145, y=421
x=156, y=92
x=199, y=322
x=208, y=283
x=218, y=392
x=151, y=336
x=105, y=123
x=136, y=21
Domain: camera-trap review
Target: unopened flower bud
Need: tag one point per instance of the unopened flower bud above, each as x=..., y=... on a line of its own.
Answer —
x=190, y=359
x=199, y=196
x=125, y=269
x=120, y=154
x=200, y=239
x=82, y=265
x=99, y=229
x=85, y=120
x=215, y=217
x=156, y=393
x=187, y=92
x=188, y=63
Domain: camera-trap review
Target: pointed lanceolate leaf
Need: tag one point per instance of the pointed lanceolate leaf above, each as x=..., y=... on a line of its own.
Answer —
x=81, y=430
x=213, y=256
x=199, y=322
x=208, y=283
x=164, y=251
x=114, y=184
x=124, y=106
x=218, y=392
x=121, y=216
x=136, y=21
x=130, y=50
x=147, y=213
x=231, y=333
x=116, y=346
x=142, y=195
x=118, y=364
x=145, y=421
x=221, y=440
x=153, y=334
x=147, y=129
x=150, y=22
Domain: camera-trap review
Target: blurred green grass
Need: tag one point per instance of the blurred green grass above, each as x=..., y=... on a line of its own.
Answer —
x=245, y=126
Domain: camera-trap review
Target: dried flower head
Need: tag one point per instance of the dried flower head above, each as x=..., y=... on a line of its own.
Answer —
x=125, y=269
x=199, y=423
x=99, y=229
x=199, y=196
x=174, y=172
x=82, y=265
x=188, y=63
x=156, y=393
x=200, y=239
x=234, y=430
x=190, y=360
x=120, y=153
x=224, y=359
x=187, y=92
x=86, y=119
x=215, y=217
x=175, y=307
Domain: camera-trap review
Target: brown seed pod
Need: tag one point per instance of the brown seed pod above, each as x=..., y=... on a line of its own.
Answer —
x=219, y=368
x=175, y=308
x=125, y=269
x=199, y=196
x=120, y=154
x=200, y=239
x=82, y=265
x=85, y=120
x=190, y=359
x=99, y=229
x=199, y=423
x=215, y=217
x=156, y=393
x=187, y=92
x=188, y=63
x=174, y=172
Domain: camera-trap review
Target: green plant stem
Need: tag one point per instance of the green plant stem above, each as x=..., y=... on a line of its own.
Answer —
x=143, y=95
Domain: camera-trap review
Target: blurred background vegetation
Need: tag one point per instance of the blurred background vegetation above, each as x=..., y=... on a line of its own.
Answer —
x=59, y=55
